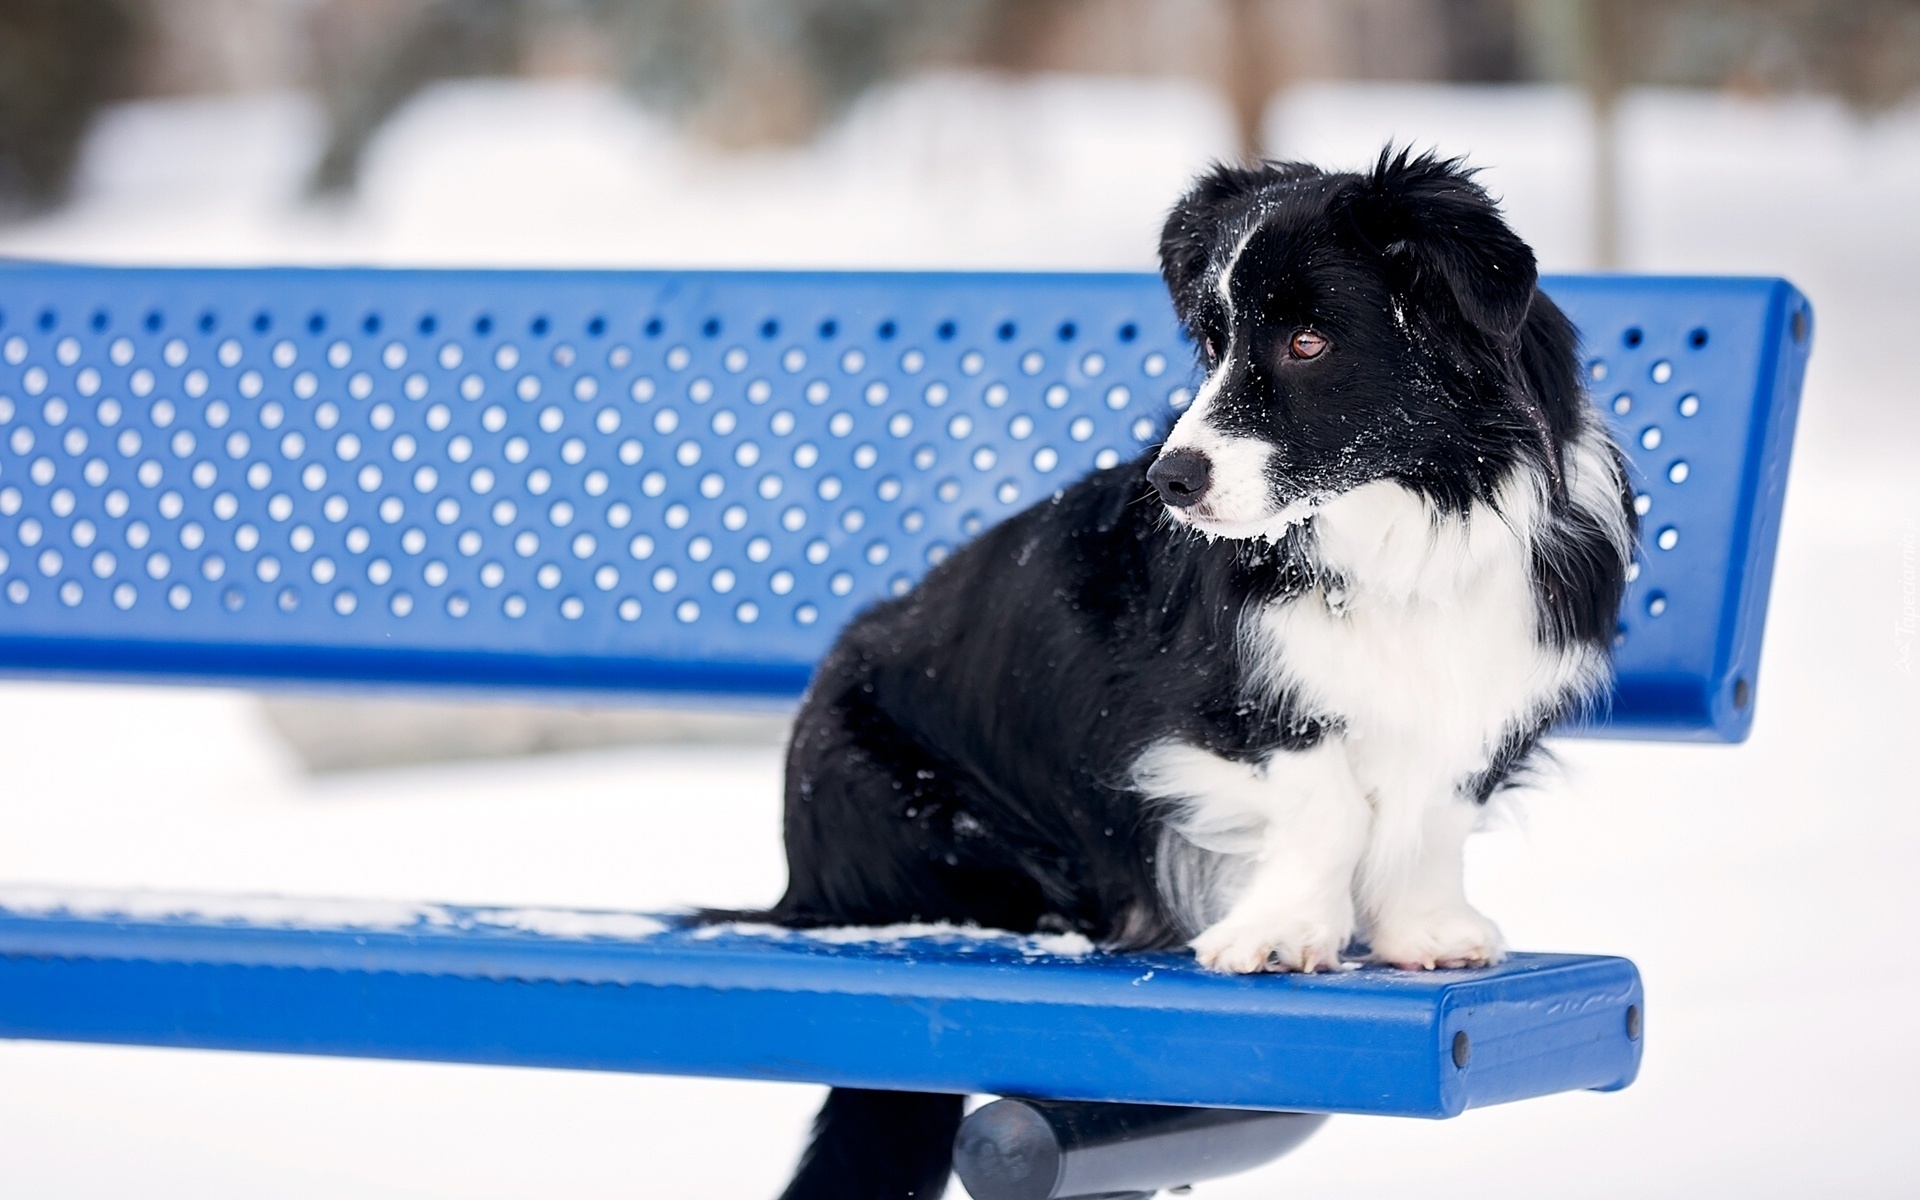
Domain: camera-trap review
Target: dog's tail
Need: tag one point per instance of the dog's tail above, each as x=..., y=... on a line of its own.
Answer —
x=735, y=916
x=870, y=1145
x=785, y=915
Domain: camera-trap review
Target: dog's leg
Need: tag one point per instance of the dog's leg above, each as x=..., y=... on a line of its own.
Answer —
x=1419, y=917
x=1301, y=818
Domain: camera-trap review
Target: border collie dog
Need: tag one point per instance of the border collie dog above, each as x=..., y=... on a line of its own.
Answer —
x=1247, y=693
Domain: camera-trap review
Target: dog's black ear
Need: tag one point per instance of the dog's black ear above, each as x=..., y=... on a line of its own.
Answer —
x=1440, y=229
x=1194, y=228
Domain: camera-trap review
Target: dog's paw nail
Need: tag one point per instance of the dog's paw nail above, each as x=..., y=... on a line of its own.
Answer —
x=1245, y=952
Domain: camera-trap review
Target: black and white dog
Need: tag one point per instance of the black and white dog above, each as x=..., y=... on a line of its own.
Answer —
x=1248, y=693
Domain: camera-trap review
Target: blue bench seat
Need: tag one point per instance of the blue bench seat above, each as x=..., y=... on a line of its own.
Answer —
x=931, y=1010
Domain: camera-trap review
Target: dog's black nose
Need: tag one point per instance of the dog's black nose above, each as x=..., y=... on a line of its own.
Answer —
x=1181, y=477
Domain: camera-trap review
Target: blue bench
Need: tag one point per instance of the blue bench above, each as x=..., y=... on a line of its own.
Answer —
x=681, y=484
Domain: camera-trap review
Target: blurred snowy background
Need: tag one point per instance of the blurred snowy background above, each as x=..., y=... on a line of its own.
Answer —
x=1768, y=891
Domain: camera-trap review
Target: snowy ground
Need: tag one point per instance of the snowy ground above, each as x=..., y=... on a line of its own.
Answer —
x=1767, y=890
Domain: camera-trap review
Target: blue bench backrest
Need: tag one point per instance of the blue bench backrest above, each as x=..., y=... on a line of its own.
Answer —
x=687, y=481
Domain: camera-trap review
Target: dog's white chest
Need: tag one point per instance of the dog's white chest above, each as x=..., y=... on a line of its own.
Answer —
x=1427, y=655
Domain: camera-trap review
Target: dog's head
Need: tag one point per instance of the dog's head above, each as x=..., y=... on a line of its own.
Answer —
x=1352, y=327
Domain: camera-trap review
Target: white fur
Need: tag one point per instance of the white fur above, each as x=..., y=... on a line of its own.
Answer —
x=1238, y=501
x=1295, y=824
x=1595, y=484
x=1426, y=921
x=1224, y=282
x=1420, y=642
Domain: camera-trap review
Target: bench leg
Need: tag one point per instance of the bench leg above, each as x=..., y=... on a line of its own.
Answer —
x=1056, y=1150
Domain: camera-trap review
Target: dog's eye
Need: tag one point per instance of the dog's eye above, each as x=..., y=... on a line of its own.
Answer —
x=1212, y=349
x=1307, y=344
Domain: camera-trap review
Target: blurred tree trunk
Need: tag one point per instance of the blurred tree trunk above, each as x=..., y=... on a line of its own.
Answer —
x=1251, y=78
x=59, y=61
x=1604, y=29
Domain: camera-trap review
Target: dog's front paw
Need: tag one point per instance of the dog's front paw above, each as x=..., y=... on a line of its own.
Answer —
x=1242, y=947
x=1453, y=937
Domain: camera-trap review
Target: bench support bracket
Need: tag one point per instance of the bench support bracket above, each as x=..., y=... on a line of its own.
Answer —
x=1051, y=1150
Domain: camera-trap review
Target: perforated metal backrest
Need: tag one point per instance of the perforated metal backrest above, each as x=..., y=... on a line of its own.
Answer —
x=687, y=481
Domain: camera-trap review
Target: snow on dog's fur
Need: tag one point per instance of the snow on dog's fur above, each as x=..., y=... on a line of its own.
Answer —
x=1248, y=693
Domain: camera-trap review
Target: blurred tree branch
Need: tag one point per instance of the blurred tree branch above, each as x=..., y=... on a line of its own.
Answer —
x=1865, y=51
x=740, y=72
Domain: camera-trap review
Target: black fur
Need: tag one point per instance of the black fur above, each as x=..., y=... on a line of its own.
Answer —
x=866, y=1143
x=962, y=754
